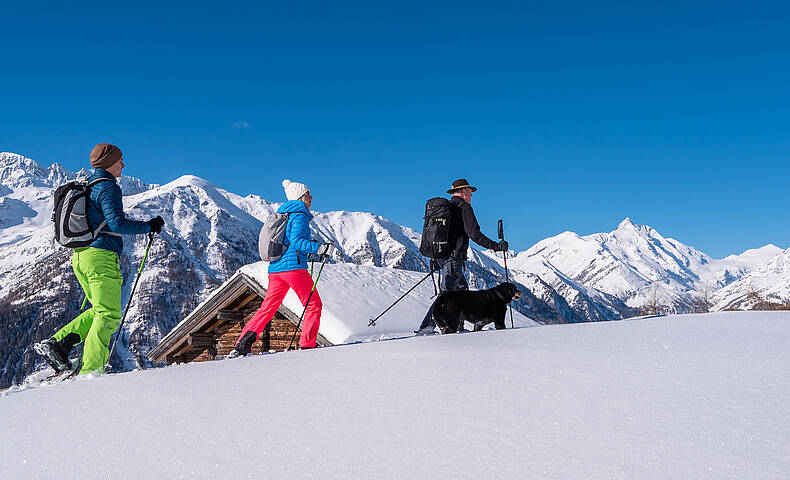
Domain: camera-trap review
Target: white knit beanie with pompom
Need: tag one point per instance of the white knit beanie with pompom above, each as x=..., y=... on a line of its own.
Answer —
x=294, y=190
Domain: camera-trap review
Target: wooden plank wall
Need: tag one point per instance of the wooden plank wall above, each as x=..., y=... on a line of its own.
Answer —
x=276, y=337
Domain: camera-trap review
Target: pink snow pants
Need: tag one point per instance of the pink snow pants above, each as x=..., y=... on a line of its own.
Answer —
x=279, y=283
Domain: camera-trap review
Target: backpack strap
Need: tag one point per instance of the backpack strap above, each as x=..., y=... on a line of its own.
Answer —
x=98, y=230
x=99, y=180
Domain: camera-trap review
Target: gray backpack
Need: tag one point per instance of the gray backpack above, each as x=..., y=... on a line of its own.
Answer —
x=271, y=241
x=70, y=214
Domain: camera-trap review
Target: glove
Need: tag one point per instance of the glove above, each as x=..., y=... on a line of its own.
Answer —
x=501, y=246
x=326, y=249
x=156, y=224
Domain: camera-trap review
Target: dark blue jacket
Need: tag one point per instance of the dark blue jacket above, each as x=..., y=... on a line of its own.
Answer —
x=297, y=237
x=106, y=203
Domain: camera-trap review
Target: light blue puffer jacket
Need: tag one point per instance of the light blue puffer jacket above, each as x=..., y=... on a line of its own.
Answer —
x=297, y=237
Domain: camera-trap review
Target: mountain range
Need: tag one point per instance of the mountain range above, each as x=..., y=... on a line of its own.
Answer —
x=210, y=232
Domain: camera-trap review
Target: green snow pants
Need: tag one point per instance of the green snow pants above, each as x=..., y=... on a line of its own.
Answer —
x=99, y=275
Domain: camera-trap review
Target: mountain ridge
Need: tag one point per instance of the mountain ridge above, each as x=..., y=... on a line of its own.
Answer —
x=210, y=232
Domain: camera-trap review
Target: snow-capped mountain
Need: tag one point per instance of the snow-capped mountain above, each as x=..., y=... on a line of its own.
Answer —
x=769, y=281
x=636, y=265
x=209, y=233
x=625, y=263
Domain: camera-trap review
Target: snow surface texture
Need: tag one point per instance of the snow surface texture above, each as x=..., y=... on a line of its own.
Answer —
x=690, y=396
x=354, y=294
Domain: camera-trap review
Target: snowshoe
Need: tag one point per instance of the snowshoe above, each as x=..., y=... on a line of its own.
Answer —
x=74, y=367
x=425, y=331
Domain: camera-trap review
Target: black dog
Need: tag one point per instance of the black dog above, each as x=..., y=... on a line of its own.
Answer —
x=480, y=307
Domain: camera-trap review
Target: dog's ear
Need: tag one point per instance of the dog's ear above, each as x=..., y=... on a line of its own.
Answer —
x=501, y=292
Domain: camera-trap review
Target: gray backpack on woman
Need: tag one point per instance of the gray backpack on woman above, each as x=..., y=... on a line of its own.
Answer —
x=271, y=241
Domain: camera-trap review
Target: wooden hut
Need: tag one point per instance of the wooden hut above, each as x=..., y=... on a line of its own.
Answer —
x=212, y=328
x=351, y=294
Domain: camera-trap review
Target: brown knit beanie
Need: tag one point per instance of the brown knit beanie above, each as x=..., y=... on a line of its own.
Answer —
x=105, y=155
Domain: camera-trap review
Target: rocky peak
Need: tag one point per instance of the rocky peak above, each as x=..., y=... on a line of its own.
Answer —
x=19, y=171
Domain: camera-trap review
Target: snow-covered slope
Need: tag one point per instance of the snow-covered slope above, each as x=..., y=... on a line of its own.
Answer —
x=692, y=396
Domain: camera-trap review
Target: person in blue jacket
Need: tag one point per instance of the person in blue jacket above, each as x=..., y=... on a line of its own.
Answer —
x=290, y=271
x=97, y=268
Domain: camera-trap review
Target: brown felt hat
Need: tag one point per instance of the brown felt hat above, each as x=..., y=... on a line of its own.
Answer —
x=460, y=184
x=105, y=155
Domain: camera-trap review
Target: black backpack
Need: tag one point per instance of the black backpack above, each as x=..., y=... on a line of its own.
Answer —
x=70, y=214
x=436, y=229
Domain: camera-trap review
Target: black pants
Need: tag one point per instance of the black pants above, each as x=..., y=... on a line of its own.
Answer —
x=453, y=279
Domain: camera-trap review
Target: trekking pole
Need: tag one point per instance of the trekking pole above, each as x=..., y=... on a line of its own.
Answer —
x=315, y=282
x=373, y=322
x=501, y=234
x=131, y=296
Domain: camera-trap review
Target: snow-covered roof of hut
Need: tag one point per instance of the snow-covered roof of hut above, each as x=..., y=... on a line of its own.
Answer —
x=352, y=295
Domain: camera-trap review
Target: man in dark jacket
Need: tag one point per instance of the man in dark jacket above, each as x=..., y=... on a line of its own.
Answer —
x=97, y=268
x=463, y=226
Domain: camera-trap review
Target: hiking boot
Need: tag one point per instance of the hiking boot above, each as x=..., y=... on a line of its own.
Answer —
x=54, y=353
x=243, y=346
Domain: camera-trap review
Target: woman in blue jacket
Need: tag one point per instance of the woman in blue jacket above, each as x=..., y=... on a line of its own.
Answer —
x=290, y=271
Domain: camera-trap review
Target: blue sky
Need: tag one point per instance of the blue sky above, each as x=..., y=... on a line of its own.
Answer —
x=565, y=115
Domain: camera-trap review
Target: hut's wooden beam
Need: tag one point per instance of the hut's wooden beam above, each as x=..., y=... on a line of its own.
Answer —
x=201, y=340
x=230, y=315
x=252, y=296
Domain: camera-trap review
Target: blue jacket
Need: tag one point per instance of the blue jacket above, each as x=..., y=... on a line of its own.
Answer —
x=106, y=203
x=297, y=237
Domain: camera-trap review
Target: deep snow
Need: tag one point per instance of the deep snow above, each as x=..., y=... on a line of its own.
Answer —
x=690, y=396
